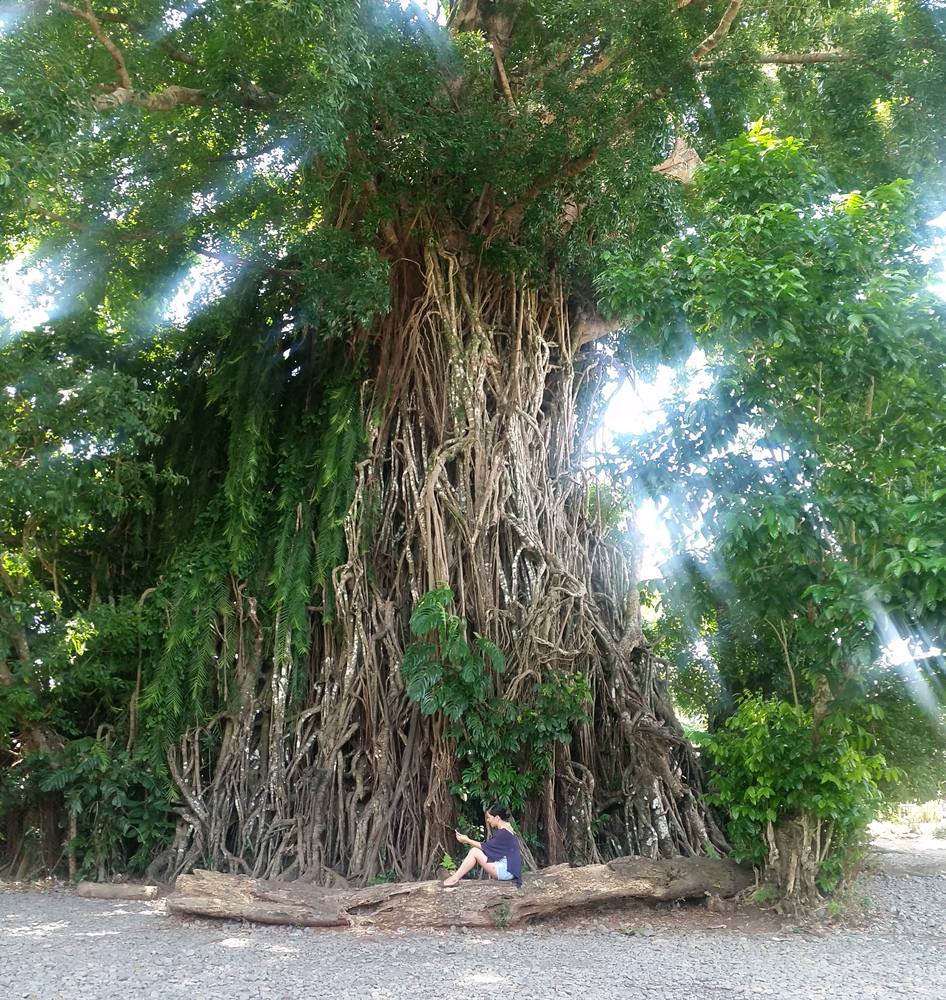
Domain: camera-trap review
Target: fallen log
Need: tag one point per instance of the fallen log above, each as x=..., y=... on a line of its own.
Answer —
x=116, y=890
x=471, y=904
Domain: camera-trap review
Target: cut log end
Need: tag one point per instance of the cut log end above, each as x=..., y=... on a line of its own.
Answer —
x=471, y=904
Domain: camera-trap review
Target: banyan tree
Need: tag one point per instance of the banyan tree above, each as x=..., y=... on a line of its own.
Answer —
x=306, y=349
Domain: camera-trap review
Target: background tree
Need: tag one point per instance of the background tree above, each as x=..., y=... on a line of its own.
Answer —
x=386, y=383
x=803, y=485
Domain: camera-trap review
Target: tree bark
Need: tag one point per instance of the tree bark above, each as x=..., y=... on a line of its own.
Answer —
x=797, y=848
x=471, y=904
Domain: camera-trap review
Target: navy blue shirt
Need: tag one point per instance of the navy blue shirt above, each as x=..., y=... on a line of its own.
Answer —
x=503, y=844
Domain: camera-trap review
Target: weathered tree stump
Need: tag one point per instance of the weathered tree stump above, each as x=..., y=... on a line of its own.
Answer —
x=471, y=904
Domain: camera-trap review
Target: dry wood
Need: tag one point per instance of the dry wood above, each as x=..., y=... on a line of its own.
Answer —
x=116, y=890
x=471, y=904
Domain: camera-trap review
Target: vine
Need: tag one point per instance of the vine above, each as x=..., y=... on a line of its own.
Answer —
x=504, y=748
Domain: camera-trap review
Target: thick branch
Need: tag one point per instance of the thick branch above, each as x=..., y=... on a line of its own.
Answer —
x=176, y=54
x=588, y=325
x=124, y=80
x=722, y=30
x=170, y=50
x=175, y=96
x=501, y=71
x=464, y=15
x=161, y=100
x=784, y=59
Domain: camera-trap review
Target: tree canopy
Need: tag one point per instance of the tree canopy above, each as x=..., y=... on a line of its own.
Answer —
x=290, y=134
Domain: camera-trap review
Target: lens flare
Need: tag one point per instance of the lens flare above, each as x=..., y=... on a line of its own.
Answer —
x=905, y=654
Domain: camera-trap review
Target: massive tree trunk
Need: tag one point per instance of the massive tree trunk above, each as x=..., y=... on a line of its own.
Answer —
x=473, y=479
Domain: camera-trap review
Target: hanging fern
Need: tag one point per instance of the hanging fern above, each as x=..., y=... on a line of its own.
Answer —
x=245, y=388
x=291, y=577
x=342, y=443
x=197, y=598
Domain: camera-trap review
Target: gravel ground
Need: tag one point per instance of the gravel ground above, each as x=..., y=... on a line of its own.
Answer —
x=55, y=946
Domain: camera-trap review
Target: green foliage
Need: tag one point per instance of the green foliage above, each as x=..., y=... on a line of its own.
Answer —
x=315, y=479
x=345, y=285
x=765, y=895
x=383, y=878
x=342, y=442
x=242, y=386
x=120, y=802
x=445, y=675
x=608, y=507
x=801, y=480
x=94, y=674
x=771, y=763
x=299, y=152
x=912, y=741
x=503, y=747
x=501, y=914
x=683, y=631
x=177, y=692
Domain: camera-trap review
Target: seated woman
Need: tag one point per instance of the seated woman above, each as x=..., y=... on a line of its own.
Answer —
x=498, y=856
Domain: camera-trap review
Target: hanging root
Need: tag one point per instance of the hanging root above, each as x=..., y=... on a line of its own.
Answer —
x=474, y=480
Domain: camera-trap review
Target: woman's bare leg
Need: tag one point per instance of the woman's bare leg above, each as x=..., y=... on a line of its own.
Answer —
x=475, y=857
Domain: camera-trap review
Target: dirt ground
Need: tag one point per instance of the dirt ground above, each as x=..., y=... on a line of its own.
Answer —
x=885, y=937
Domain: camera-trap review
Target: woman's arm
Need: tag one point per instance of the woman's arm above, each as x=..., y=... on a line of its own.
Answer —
x=464, y=839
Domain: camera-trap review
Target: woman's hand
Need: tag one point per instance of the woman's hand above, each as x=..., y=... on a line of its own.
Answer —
x=462, y=838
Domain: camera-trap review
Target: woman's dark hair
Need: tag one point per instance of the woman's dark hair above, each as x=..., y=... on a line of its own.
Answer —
x=498, y=810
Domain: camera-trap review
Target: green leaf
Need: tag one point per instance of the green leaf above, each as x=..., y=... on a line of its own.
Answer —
x=492, y=652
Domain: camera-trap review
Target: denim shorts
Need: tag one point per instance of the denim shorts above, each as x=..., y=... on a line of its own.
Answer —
x=502, y=872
